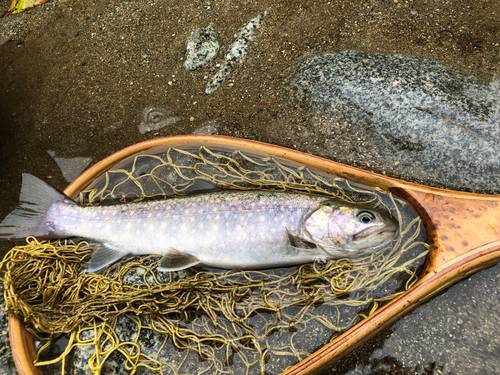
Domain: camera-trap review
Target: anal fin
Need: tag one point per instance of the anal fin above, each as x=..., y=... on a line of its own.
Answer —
x=102, y=256
x=175, y=260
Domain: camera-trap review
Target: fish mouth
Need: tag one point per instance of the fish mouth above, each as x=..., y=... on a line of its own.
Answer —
x=387, y=231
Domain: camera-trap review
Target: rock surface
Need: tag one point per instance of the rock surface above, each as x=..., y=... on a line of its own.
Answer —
x=404, y=111
x=76, y=76
x=456, y=332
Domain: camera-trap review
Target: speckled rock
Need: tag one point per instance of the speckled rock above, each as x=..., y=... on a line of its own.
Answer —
x=237, y=52
x=408, y=112
x=202, y=47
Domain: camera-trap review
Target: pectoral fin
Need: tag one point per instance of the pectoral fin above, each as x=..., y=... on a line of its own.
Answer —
x=175, y=260
x=300, y=243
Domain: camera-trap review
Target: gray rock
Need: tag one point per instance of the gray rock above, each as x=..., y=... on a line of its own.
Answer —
x=201, y=47
x=237, y=52
x=156, y=119
x=209, y=128
x=430, y=121
x=454, y=333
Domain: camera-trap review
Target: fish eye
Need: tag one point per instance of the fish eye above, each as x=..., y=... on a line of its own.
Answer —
x=366, y=217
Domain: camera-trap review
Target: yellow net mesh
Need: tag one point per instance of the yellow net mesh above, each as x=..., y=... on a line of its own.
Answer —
x=203, y=320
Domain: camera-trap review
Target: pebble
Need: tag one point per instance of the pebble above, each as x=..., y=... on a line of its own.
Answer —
x=155, y=119
x=237, y=52
x=201, y=47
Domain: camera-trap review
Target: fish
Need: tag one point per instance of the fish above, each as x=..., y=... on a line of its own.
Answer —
x=230, y=229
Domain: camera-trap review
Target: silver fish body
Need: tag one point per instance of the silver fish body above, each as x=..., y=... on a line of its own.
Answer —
x=225, y=229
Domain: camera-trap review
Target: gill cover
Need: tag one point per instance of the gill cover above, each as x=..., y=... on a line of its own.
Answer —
x=346, y=228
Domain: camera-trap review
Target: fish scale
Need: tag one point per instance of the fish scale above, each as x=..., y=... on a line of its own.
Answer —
x=224, y=229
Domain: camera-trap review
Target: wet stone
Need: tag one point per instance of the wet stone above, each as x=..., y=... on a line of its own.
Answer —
x=412, y=116
x=201, y=47
x=453, y=333
x=209, y=128
x=236, y=52
x=156, y=119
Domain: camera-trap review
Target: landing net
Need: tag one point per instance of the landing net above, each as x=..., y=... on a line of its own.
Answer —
x=203, y=320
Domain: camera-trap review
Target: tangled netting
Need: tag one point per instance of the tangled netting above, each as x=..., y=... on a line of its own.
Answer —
x=203, y=320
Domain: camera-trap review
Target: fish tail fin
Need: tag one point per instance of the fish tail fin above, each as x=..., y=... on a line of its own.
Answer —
x=29, y=218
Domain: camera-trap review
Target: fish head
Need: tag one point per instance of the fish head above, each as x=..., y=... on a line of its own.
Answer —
x=343, y=228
